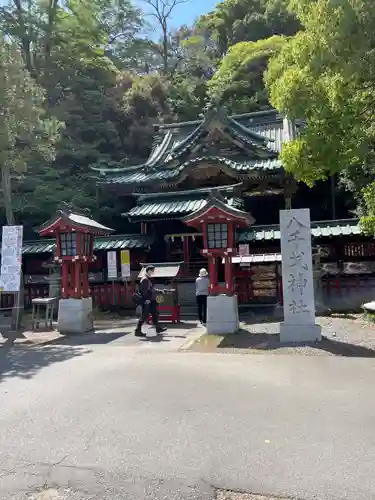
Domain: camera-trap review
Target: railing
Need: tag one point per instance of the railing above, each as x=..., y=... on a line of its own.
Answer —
x=106, y=294
x=340, y=286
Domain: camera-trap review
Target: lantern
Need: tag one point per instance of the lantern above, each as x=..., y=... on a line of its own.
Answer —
x=218, y=222
x=74, y=231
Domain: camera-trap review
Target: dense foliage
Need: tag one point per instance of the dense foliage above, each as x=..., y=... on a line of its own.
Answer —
x=96, y=78
x=325, y=75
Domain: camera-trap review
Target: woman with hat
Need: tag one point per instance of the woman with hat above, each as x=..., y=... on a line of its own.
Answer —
x=201, y=291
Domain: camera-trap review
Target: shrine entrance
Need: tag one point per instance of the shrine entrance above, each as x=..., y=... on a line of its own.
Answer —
x=186, y=248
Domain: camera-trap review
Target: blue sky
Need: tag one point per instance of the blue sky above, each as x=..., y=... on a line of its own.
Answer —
x=186, y=13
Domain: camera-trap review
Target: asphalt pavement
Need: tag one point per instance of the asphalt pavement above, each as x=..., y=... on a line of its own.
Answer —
x=128, y=419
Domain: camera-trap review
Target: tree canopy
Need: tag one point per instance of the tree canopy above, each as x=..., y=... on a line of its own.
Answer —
x=103, y=72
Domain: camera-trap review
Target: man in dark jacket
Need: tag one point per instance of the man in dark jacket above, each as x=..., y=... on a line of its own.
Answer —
x=149, y=304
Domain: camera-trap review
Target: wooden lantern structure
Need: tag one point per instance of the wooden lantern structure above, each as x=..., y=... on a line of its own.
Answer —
x=218, y=223
x=74, y=231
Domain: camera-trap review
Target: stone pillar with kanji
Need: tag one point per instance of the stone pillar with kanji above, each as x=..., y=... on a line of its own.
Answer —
x=74, y=231
x=218, y=222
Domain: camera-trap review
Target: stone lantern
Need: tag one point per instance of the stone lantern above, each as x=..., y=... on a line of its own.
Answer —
x=218, y=223
x=74, y=231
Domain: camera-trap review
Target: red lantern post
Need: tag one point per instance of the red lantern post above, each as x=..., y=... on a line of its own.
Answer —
x=74, y=231
x=218, y=222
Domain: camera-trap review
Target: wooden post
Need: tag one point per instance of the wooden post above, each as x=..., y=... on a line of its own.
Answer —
x=85, y=280
x=333, y=196
x=185, y=243
x=64, y=280
x=228, y=274
x=77, y=280
x=289, y=188
x=212, y=270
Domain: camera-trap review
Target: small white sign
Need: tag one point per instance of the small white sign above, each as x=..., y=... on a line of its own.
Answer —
x=125, y=263
x=11, y=259
x=112, y=265
x=244, y=250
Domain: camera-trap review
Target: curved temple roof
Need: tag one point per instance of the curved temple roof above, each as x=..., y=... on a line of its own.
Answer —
x=255, y=140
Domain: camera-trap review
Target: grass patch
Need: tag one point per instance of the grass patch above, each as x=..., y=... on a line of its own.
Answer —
x=368, y=316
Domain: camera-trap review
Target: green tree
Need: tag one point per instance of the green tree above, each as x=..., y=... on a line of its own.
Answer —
x=26, y=133
x=161, y=12
x=238, y=82
x=243, y=35
x=325, y=75
x=234, y=21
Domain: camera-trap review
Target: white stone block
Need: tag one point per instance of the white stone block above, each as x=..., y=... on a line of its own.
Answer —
x=75, y=316
x=370, y=306
x=297, y=273
x=300, y=333
x=222, y=315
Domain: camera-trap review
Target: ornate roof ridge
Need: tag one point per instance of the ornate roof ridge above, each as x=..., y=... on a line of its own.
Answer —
x=214, y=201
x=247, y=130
x=188, y=192
x=118, y=170
x=254, y=114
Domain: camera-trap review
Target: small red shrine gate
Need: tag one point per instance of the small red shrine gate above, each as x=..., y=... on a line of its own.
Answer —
x=218, y=223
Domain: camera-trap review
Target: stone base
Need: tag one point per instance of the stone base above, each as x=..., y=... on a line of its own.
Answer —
x=75, y=316
x=369, y=307
x=222, y=315
x=300, y=333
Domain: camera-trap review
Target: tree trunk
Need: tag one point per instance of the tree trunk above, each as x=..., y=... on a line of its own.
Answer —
x=25, y=39
x=6, y=182
x=50, y=30
x=165, y=48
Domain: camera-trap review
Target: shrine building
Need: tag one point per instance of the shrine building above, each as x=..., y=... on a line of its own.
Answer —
x=238, y=158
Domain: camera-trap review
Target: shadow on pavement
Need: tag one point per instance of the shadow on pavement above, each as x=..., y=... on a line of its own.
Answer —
x=155, y=339
x=263, y=341
x=95, y=338
x=25, y=362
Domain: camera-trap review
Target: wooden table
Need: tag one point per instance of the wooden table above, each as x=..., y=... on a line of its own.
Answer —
x=38, y=305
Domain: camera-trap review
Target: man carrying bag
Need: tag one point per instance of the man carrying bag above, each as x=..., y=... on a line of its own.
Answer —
x=146, y=298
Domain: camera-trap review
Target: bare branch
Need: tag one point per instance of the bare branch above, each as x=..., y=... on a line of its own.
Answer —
x=162, y=11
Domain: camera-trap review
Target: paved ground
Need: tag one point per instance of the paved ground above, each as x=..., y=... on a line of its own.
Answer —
x=349, y=335
x=129, y=419
x=106, y=331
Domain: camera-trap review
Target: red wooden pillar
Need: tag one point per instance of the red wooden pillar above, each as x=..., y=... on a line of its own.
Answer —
x=77, y=280
x=185, y=244
x=85, y=281
x=64, y=280
x=228, y=274
x=212, y=271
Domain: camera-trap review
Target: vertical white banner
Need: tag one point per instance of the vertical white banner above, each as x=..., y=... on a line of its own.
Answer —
x=297, y=270
x=11, y=258
x=125, y=263
x=112, y=265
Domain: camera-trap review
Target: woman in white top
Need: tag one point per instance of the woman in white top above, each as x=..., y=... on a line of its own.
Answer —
x=201, y=291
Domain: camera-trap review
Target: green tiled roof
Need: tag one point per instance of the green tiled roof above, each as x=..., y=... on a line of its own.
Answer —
x=166, y=208
x=171, y=208
x=119, y=241
x=321, y=229
x=42, y=246
x=179, y=203
x=167, y=173
x=258, y=135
